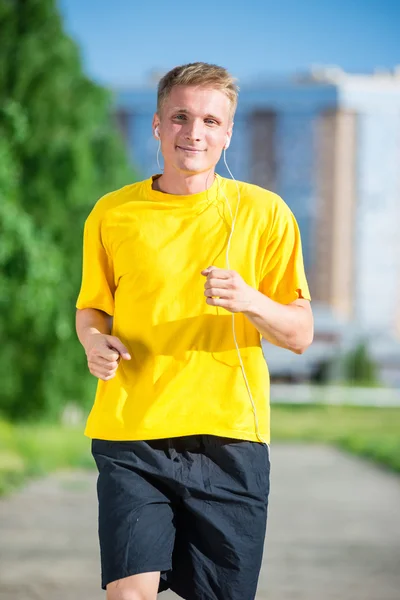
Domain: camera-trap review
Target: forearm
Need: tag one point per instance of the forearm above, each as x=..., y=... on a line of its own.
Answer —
x=288, y=326
x=90, y=321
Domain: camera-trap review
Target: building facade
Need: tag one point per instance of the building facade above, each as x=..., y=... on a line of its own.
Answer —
x=329, y=144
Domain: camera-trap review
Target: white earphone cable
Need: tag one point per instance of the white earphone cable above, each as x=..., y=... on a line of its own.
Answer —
x=158, y=155
x=260, y=438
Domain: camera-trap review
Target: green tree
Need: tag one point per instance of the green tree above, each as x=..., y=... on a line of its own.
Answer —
x=359, y=368
x=59, y=152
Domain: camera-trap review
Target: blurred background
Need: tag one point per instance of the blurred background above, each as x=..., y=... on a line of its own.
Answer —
x=318, y=122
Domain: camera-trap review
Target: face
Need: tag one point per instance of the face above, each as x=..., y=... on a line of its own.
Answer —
x=193, y=125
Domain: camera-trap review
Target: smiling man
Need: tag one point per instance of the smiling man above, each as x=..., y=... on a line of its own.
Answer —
x=180, y=422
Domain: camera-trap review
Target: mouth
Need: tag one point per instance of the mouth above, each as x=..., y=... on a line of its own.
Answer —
x=189, y=149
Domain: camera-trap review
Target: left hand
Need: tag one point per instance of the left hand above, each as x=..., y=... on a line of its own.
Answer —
x=231, y=290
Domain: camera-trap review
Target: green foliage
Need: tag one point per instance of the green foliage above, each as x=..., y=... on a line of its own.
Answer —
x=32, y=450
x=59, y=152
x=370, y=432
x=359, y=368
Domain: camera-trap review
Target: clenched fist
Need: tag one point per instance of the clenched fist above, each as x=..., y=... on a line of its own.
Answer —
x=227, y=288
x=103, y=355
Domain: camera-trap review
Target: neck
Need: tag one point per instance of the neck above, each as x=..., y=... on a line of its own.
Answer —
x=184, y=184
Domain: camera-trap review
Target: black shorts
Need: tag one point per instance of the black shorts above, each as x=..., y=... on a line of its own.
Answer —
x=193, y=508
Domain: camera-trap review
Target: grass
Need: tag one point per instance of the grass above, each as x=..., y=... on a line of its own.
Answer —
x=28, y=450
x=31, y=450
x=371, y=432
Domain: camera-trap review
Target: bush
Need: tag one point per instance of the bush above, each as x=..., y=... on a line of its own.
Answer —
x=359, y=368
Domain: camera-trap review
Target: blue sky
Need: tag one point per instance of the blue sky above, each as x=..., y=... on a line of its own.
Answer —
x=123, y=41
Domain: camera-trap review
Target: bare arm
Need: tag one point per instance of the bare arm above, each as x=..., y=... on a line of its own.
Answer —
x=90, y=321
x=289, y=326
x=103, y=350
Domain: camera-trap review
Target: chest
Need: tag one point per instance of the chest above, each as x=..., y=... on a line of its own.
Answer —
x=171, y=248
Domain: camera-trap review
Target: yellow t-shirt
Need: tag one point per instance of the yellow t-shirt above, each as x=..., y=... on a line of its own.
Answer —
x=144, y=251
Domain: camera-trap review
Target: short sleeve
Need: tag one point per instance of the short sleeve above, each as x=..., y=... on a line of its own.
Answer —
x=98, y=286
x=283, y=277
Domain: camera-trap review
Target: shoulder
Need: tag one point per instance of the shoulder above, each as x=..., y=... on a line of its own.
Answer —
x=267, y=203
x=115, y=199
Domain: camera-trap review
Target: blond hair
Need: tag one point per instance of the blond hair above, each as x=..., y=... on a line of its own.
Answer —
x=199, y=73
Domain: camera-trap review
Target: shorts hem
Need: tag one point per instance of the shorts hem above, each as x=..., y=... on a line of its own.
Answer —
x=138, y=571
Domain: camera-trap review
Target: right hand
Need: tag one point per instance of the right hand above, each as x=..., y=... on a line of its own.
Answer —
x=103, y=355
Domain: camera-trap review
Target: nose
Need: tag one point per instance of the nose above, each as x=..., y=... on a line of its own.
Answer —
x=194, y=131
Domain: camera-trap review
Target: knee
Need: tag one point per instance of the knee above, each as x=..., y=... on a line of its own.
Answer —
x=135, y=587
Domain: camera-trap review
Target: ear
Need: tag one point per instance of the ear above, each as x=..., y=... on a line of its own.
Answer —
x=228, y=136
x=155, y=124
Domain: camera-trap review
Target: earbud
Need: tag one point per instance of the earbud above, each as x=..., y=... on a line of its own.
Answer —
x=157, y=132
x=227, y=142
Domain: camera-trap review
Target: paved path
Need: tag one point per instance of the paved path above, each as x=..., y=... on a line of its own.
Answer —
x=333, y=533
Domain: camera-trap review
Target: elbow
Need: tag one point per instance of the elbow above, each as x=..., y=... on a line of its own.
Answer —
x=299, y=349
x=300, y=344
x=303, y=332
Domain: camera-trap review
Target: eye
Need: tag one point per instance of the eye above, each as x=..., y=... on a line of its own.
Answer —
x=211, y=121
x=180, y=117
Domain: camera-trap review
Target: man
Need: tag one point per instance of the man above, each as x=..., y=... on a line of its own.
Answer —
x=180, y=423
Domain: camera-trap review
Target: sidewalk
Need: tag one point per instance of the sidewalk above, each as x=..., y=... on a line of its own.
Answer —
x=333, y=533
